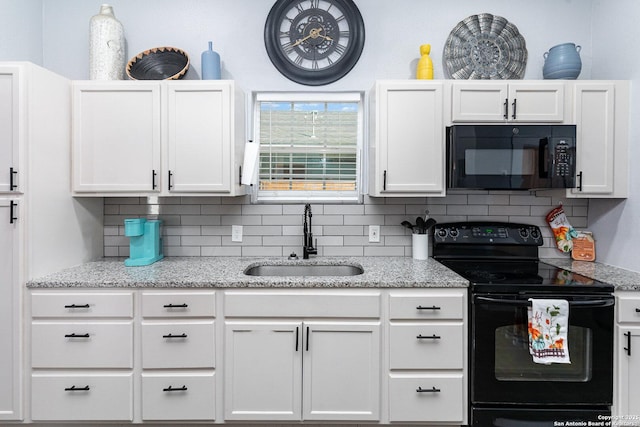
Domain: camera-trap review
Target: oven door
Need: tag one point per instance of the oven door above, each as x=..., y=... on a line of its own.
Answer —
x=531, y=417
x=502, y=370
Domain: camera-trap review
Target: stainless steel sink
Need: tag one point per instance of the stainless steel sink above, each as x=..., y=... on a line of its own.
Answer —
x=304, y=270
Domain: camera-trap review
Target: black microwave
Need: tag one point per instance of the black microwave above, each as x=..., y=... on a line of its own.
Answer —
x=511, y=157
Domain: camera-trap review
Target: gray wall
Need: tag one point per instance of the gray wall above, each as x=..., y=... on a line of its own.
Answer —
x=21, y=30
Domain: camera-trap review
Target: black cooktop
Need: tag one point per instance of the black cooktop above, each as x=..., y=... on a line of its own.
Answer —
x=523, y=276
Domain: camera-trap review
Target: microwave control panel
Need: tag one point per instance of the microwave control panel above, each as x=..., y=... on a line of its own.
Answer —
x=562, y=158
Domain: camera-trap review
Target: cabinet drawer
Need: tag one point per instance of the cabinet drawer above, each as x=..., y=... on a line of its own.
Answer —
x=427, y=307
x=82, y=304
x=303, y=304
x=178, y=304
x=426, y=346
x=62, y=397
x=447, y=403
x=82, y=345
x=178, y=345
x=627, y=306
x=178, y=397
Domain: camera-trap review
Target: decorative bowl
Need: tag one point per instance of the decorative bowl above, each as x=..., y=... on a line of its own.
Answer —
x=159, y=63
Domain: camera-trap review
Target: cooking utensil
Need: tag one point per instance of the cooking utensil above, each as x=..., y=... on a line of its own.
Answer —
x=407, y=224
x=429, y=223
x=420, y=225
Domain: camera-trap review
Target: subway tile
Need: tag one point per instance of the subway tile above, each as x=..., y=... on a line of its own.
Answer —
x=368, y=200
x=123, y=251
x=261, y=210
x=262, y=230
x=111, y=209
x=392, y=230
x=364, y=219
x=133, y=209
x=530, y=200
x=237, y=200
x=111, y=251
x=179, y=209
x=221, y=209
x=341, y=251
x=450, y=199
x=385, y=210
x=220, y=251
x=286, y=219
x=330, y=241
x=509, y=210
x=280, y=240
x=200, y=240
x=111, y=230
x=182, y=231
x=200, y=220
x=488, y=199
x=246, y=241
x=344, y=209
x=397, y=240
x=171, y=220
x=343, y=230
x=356, y=240
x=241, y=220
x=116, y=241
x=200, y=200
x=182, y=251
x=222, y=230
x=122, y=200
x=292, y=230
x=384, y=251
x=328, y=220
x=171, y=240
x=468, y=210
x=255, y=251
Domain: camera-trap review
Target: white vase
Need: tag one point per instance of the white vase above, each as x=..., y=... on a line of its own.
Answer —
x=420, y=246
x=106, y=46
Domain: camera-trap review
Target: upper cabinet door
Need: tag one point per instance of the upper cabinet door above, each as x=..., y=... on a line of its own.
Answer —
x=116, y=137
x=9, y=130
x=408, y=157
x=199, y=137
x=480, y=101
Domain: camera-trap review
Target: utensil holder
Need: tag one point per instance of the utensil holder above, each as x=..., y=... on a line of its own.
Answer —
x=420, y=246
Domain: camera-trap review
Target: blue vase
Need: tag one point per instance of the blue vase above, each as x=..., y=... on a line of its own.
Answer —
x=210, y=64
x=562, y=62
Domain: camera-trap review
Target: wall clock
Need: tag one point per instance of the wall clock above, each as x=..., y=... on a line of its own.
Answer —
x=314, y=42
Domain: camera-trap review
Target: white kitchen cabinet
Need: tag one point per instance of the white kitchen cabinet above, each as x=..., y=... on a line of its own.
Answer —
x=407, y=153
x=507, y=101
x=116, y=137
x=10, y=154
x=164, y=138
x=626, y=394
x=321, y=363
x=601, y=114
x=178, y=355
x=50, y=231
x=427, y=363
x=10, y=367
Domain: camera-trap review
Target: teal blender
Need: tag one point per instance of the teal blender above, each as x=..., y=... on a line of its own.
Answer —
x=145, y=241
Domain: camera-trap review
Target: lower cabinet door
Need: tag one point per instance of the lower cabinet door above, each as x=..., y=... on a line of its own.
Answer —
x=76, y=397
x=178, y=397
x=427, y=398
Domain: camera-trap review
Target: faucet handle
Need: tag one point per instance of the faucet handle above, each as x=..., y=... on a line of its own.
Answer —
x=293, y=255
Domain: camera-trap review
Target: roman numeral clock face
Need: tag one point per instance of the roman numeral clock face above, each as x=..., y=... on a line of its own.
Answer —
x=314, y=42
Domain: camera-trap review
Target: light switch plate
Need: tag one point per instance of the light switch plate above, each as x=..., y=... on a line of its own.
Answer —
x=236, y=233
x=374, y=233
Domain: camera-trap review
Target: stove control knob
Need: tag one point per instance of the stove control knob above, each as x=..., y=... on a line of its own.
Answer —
x=442, y=233
x=524, y=233
x=535, y=233
x=453, y=232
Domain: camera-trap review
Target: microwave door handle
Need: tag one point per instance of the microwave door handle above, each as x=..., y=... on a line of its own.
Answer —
x=605, y=302
x=543, y=158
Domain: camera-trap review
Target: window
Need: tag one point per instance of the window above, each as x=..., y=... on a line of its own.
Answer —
x=310, y=146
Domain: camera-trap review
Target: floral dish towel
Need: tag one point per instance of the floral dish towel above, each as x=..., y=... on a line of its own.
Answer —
x=548, y=326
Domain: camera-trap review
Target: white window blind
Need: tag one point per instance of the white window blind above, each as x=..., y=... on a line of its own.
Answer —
x=309, y=146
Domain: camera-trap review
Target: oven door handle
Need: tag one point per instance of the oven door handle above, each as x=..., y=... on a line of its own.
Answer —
x=605, y=302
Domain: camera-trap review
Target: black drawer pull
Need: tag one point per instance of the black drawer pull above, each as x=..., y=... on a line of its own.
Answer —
x=628, y=347
x=176, y=305
x=432, y=337
x=170, y=388
x=77, y=335
x=12, y=173
x=74, y=388
x=12, y=212
x=637, y=310
x=427, y=390
x=77, y=306
x=174, y=336
x=433, y=307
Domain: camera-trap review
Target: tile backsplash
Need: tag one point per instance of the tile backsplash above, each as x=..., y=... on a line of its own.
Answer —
x=201, y=226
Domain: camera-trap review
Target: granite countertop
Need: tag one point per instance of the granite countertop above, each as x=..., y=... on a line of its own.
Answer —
x=228, y=272
x=623, y=280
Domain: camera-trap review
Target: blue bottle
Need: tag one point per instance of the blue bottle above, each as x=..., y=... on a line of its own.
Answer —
x=210, y=64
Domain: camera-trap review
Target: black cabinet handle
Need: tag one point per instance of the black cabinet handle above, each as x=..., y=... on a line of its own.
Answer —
x=628, y=347
x=174, y=336
x=74, y=335
x=433, y=307
x=506, y=108
x=513, y=106
x=169, y=176
x=307, y=346
x=153, y=179
x=12, y=212
x=12, y=184
x=176, y=305
x=170, y=388
x=384, y=180
x=428, y=390
x=240, y=175
x=432, y=337
x=77, y=306
x=74, y=388
x=297, y=337
x=580, y=181
x=637, y=310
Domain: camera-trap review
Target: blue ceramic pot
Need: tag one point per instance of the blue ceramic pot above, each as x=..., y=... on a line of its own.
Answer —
x=562, y=62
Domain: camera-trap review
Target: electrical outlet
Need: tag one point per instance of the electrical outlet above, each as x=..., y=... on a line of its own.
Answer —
x=236, y=233
x=374, y=233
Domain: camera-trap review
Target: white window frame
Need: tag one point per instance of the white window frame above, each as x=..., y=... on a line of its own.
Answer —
x=291, y=196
